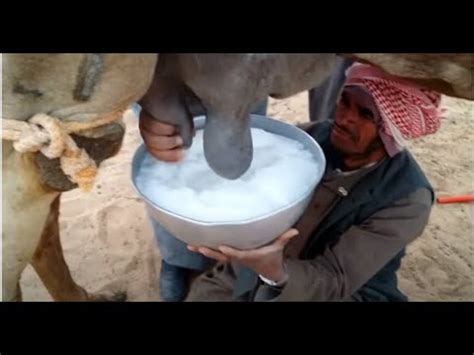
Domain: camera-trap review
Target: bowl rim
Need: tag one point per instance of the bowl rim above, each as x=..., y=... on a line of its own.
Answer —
x=141, y=150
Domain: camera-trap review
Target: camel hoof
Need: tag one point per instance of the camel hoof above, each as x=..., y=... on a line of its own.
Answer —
x=116, y=297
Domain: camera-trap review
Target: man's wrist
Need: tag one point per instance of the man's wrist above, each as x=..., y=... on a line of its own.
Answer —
x=276, y=281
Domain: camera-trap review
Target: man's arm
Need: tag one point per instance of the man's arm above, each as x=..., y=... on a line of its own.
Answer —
x=359, y=254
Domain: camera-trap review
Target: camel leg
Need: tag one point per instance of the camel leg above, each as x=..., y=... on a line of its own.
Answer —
x=48, y=261
x=25, y=208
x=19, y=296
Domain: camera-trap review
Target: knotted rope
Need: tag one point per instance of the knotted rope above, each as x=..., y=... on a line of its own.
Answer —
x=52, y=137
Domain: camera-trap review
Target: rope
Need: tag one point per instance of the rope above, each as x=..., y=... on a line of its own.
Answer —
x=52, y=137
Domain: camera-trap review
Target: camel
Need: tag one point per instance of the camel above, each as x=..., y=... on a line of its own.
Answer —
x=83, y=88
x=70, y=87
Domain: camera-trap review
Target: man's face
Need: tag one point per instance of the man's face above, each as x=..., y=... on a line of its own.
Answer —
x=355, y=130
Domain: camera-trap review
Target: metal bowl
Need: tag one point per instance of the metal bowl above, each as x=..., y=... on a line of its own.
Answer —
x=245, y=234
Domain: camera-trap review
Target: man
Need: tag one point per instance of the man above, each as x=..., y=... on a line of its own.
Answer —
x=373, y=200
x=179, y=265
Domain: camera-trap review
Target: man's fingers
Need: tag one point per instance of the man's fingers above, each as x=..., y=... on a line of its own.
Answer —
x=171, y=156
x=233, y=253
x=193, y=248
x=148, y=123
x=259, y=252
x=213, y=254
x=208, y=252
x=162, y=142
x=161, y=139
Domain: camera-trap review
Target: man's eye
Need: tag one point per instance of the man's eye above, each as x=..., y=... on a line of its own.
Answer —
x=345, y=101
x=366, y=113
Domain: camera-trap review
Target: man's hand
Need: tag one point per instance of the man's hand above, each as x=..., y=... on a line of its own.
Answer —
x=266, y=261
x=161, y=139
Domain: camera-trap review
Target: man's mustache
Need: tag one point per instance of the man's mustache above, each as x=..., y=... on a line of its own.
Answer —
x=347, y=130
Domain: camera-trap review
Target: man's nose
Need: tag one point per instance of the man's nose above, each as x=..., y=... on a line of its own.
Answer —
x=348, y=116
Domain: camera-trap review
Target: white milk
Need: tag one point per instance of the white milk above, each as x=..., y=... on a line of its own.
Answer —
x=281, y=172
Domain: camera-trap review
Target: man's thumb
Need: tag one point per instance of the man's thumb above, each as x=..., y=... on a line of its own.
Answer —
x=287, y=236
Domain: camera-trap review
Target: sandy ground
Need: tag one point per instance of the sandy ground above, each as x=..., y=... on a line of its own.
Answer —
x=109, y=246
